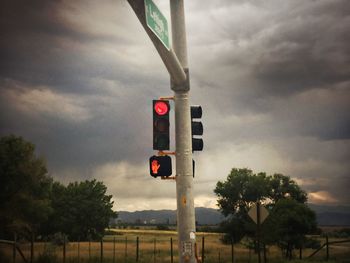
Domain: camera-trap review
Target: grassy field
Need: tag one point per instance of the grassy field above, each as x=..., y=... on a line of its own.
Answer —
x=154, y=246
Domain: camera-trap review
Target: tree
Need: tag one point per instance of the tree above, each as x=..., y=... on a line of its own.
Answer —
x=242, y=188
x=288, y=224
x=81, y=210
x=282, y=186
x=24, y=187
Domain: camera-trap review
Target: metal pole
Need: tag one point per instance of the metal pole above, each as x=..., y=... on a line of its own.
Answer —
x=64, y=249
x=14, y=248
x=32, y=248
x=154, y=251
x=232, y=251
x=101, y=250
x=258, y=229
x=113, y=249
x=171, y=251
x=184, y=174
x=89, y=248
x=137, y=249
x=169, y=57
x=126, y=249
x=79, y=250
x=327, y=249
x=203, y=247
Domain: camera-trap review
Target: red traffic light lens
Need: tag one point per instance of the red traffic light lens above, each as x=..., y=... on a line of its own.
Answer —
x=161, y=108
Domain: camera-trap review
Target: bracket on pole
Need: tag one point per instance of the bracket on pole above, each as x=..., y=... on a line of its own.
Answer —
x=167, y=98
x=162, y=153
x=168, y=178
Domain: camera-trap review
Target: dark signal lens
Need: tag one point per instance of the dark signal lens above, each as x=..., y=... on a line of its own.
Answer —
x=162, y=125
x=162, y=142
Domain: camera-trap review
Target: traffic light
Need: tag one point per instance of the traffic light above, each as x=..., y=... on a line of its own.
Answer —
x=197, y=128
x=160, y=166
x=161, y=109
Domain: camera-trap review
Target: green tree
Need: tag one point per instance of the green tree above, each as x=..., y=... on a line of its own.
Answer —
x=288, y=224
x=242, y=188
x=282, y=186
x=81, y=210
x=24, y=187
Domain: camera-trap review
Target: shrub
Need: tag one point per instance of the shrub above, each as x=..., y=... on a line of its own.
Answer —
x=3, y=258
x=58, y=239
x=162, y=227
x=48, y=256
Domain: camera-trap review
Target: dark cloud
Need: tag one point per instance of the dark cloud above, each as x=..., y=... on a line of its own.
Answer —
x=77, y=79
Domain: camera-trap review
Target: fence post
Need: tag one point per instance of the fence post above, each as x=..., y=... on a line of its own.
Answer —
x=171, y=251
x=327, y=248
x=101, y=255
x=126, y=249
x=301, y=252
x=64, y=248
x=265, y=259
x=113, y=249
x=232, y=251
x=32, y=248
x=89, y=248
x=154, y=251
x=14, y=247
x=79, y=250
x=202, y=249
x=137, y=249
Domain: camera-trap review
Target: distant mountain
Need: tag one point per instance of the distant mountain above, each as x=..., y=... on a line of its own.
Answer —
x=330, y=208
x=204, y=216
x=326, y=216
x=329, y=215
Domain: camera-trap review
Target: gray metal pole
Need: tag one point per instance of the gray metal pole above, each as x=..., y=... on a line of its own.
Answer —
x=184, y=181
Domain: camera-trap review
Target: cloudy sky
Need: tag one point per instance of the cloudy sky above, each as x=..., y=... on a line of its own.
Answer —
x=77, y=79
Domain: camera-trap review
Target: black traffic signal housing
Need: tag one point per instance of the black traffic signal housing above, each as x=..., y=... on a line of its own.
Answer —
x=196, y=128
x=160, y=166
x=161, y=125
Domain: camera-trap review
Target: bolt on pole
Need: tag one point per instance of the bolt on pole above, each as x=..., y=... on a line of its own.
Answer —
x=184, y=181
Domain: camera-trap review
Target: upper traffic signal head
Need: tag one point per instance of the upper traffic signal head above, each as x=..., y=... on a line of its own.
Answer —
x=161, y=140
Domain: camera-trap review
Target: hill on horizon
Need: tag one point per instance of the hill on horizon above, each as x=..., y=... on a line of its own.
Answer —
x=326, y=216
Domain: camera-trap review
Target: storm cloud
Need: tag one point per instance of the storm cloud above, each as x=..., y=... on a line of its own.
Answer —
x=77, y=79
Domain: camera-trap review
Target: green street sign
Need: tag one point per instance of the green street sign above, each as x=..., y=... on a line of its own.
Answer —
x=156, y=21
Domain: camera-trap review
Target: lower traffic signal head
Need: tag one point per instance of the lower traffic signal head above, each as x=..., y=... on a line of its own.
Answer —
x=160, y=166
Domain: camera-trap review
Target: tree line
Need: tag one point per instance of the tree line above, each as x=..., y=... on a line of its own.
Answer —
x=31, y=202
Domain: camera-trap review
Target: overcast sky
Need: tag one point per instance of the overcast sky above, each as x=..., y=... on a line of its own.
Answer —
x=77, y=79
